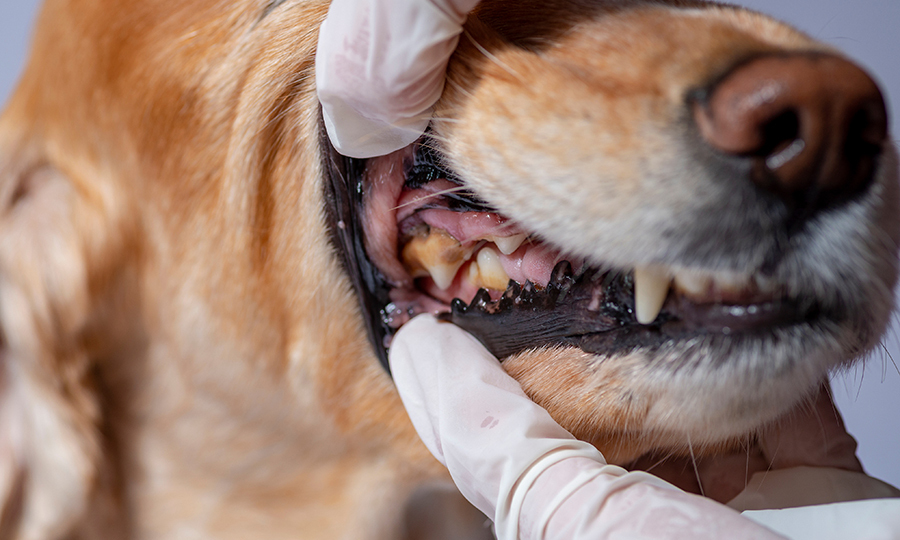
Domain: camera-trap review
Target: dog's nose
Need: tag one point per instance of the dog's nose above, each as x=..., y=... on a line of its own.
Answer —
x=811, y=124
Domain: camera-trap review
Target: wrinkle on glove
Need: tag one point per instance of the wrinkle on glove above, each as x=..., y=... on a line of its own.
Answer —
x=380, y=67
x=511, y=460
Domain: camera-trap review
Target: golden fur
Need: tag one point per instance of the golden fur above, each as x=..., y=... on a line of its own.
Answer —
x=183, y=355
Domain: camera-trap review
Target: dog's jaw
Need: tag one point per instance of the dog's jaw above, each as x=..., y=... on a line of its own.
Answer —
x=644, y=201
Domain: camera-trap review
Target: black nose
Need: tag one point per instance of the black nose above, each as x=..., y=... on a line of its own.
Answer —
x=813, y=125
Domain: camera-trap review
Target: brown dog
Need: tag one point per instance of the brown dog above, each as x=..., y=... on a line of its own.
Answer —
x=184, y=353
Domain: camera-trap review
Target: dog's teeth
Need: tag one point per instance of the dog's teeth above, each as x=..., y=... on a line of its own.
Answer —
x=486, y=270
x=651, y=285
x=443, y=274
x=693, y=283
x=710, y=286
x=508, y=244
x=438, y=255
x=731, y=282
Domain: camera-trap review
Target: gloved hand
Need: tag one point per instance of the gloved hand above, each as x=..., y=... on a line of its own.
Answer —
x=512, y=461
x=380, y=68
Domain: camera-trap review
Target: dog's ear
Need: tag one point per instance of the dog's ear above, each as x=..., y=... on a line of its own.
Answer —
x=50, y=443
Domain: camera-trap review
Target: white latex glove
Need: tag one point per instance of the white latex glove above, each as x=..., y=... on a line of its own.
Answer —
x=380, y=68
x=512, y=461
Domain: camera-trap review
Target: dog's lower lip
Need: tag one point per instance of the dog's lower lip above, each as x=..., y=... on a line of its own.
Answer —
x=594, y=310
x=733, y=318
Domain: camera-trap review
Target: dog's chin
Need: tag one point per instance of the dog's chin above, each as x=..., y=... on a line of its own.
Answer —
x=631, y=359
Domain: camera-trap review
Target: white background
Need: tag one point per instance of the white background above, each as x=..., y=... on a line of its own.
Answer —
x=868, y=396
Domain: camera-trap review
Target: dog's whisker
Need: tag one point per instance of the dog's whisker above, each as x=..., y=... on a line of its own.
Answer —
x=493, y=58
x=887, y=356
x=862, y=376
x=747, y=445
x=435, y=137
x=459, y=88
x=694, y=463
x=660, y=462
x=446, y=120
x=428, y=196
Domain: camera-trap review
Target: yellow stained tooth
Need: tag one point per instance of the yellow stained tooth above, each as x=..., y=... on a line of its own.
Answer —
x=651, y=285
x=730, y=281
x=443, y=275
x=436, y=254
x=693, y=283
x=508, y=244
x=486, y=270
x=474, y=274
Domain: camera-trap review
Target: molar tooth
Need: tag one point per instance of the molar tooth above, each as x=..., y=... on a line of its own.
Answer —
x=733, y=282
x=651, y=285
x=486, y=270
x=765, y=284
x=693, y=283
x=508, y=244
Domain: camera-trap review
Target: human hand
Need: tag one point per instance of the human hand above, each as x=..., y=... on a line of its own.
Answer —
x=804, y=458
x=380, y=68
x=519, y=467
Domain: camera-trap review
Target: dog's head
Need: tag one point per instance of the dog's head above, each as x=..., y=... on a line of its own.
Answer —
x=669, y=220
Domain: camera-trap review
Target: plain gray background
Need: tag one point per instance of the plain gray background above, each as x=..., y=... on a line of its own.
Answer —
x=869, y=395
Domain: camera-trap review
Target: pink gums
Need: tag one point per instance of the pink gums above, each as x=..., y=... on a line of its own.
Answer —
x=391, y=208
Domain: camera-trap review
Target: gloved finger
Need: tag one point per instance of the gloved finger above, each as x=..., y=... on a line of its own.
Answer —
x=472, y=415
x=510, y=459
x=380, y=68
x=811, y=461
x=634, y=506
x=813, y=434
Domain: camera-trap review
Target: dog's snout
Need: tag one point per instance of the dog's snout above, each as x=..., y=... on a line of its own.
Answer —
x=811, y=124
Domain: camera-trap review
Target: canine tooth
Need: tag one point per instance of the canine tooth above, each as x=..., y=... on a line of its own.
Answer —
x=508, y=244
x=651, y=285
x=486, y=270
x=443, y=274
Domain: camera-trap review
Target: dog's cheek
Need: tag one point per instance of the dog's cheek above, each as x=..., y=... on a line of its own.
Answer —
x=47, y=398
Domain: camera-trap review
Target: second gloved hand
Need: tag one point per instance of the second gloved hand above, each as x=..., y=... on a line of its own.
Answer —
x=518, y=466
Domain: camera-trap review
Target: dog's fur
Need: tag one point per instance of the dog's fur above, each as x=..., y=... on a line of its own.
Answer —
x=182, y=354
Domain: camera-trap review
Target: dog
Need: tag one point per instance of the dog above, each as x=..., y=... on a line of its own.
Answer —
x=669, y=220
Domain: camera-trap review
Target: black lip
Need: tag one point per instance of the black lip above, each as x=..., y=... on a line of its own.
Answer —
x=594, y=311
x=575, y=310
x=344, y=190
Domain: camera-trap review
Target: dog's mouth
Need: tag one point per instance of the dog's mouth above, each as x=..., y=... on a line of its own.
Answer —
x=416, y=240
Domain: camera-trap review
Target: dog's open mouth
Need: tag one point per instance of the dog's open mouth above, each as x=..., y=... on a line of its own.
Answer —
x=416, y=240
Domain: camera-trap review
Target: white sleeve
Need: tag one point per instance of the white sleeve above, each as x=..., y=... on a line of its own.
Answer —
x=873, y=519
x=380, y=68
x=512, y=461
